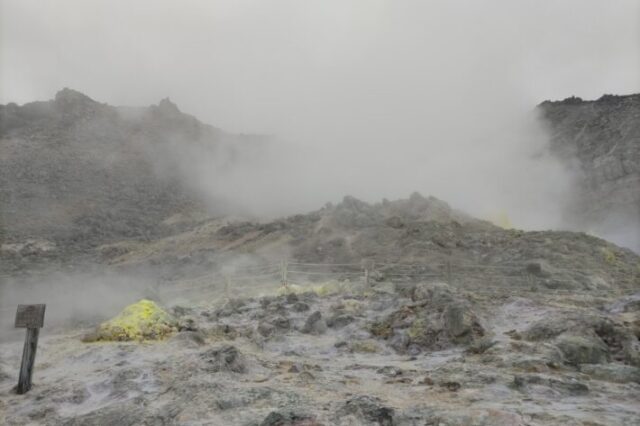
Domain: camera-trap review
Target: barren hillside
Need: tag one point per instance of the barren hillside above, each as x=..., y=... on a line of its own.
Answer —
x=75, y=173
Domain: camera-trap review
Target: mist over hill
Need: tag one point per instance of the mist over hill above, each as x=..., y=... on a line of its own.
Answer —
x=76, y=173
x=352, y=312
x=320, y=212
x=79, y=173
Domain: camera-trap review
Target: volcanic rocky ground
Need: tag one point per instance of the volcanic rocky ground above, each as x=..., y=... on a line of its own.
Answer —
x=459, y=322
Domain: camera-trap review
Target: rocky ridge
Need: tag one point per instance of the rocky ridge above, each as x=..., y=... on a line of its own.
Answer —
x=600, y=141
x=76, y=173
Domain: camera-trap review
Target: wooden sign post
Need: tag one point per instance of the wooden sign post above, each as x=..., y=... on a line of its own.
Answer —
x=30, y=317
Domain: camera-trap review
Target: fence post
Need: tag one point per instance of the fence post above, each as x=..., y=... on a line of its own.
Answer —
x=283, y=271
x=367, y=265
x=227, y=286
x=531, y=283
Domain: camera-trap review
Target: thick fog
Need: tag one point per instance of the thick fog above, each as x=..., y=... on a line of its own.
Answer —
x=369, y=98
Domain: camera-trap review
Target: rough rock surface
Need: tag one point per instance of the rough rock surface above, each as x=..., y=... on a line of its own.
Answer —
x=600, y=140
x=500, y=373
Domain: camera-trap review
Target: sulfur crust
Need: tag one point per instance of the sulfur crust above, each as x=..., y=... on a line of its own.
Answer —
x=144, y=320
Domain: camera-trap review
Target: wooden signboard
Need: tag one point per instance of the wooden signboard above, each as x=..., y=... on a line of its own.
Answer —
x=30, y=317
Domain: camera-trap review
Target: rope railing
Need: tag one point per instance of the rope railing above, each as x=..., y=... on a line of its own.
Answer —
x=324, y=264
x=465, y=275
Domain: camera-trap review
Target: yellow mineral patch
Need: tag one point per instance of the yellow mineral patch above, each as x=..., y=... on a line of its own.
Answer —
x=365, y=346
x=608, y=255
x=501, y=219
x=144, y=320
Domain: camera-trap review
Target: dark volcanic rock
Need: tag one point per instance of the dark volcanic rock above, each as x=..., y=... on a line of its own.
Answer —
x=367, y=409
x=276, y=418
x=225, y=358
x=315, y=324
x=602, y=140
x=581, y=350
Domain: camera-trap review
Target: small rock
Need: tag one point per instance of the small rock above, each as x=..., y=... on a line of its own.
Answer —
x=518, y=382
x=481, y=346
x=187, y=323
x=451, y=386
x=225, y=358
x=617, y=373
x=339, y=321
x=515, y=335
x=369, y=409
x=460, y=321
x=426, y=381
x=266, y=329
x=294, y=369
x=281, y=323
x=390, y=371
x=300, y=307
x=400, y=341
x=276, y=418
x=571, y=387
x=315, y=324
x=189, y=338
x=545, y=329
x=306, y=377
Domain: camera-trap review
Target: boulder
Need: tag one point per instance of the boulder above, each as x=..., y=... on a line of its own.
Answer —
x=367, y=410
x=545, y=329
x=582, y=350
x=461, y=323
x=340, y=321
x=273, y=325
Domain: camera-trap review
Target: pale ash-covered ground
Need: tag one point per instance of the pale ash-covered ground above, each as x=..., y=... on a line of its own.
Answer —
x=395, y=354
x=533, y=328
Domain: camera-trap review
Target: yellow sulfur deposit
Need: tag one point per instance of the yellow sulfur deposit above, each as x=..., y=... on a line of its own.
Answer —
x=144, y=320
x=501, y=219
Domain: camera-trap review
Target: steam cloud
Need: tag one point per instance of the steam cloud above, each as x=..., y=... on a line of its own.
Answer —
x=369, y=98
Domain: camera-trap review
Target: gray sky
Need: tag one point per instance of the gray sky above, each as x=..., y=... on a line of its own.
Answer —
x=230, y=62
x=373, y=98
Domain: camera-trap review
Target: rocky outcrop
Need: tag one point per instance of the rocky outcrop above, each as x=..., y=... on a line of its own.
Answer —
x=78, y=173
x=600, y=141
